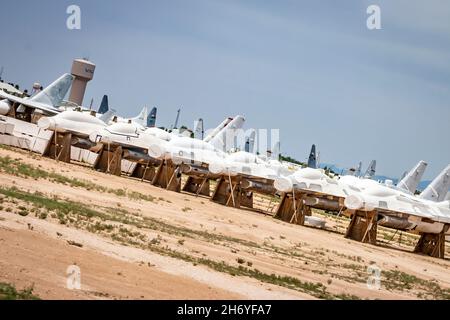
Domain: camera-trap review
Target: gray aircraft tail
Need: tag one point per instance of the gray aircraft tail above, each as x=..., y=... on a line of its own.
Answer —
x=104, y=105
x=247, y=145
x=438, y=188
x=412, y=179
x=151, y=119
x=54, y=93
x=403, y=176
x=198, y=129
x=356, y=172
x=175, y=125
x=448, y=196
x=312, y=159
x=370, y=172
x=142, y=117
x=358, y=169
x=250, y=142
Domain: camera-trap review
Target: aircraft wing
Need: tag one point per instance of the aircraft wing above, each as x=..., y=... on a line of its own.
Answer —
x=29, y=103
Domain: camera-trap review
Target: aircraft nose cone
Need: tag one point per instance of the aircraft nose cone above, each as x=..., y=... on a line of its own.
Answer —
x=283, y=184
x=216, y=168
x=156, y=151
x=46, y=123
x=354, y=202
x=4, y=107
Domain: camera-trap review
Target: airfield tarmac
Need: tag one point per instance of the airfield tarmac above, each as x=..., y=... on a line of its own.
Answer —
x=135, y=241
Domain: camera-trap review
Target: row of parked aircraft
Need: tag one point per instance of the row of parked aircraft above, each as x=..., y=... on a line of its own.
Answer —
x=398, y=206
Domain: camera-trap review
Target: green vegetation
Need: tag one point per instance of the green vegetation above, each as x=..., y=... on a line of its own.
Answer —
x=65, y=208
x=23, y=170
x=17, y=168
x=398, y=280
x=124, y=227
x=61, y=208
x=9, y=292
x=292, y=160
x=317, y=290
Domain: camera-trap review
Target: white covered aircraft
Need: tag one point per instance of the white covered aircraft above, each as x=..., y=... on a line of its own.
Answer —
x=396, y=208
x=427, y=213
x=143, y=119
x=197, y=152
x=212, y=151
x=408, y=184
x=160, y=144
x=77, y=122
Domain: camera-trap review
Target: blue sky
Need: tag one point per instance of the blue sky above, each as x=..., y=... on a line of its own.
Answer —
x=309, y=68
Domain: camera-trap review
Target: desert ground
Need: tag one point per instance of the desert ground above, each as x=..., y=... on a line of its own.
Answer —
x=131, y=240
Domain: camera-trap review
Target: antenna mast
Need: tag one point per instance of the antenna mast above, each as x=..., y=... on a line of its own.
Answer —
x=175, y=126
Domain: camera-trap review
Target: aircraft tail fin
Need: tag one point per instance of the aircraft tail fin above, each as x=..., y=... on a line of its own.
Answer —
x=141, y=118
x=370, y=172
x=312, y=159
x=175, y=125
x=216, y=130
x=250, y=142
x=412, y=179
x=107, y=116
x=438, y=188
x=54, y=93
x=198, y=130
x=358, y=169
x=355, y=171
x=247, y=145
x=151, y=119
x=403, y=176
x=104, y=105
x=222, y=139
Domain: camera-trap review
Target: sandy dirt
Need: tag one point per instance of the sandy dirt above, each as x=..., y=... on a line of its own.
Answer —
x=36, y=251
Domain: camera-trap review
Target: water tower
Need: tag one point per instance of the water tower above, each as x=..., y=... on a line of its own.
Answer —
x=83, y=71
